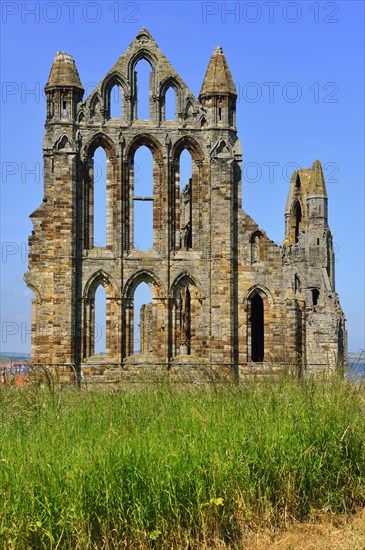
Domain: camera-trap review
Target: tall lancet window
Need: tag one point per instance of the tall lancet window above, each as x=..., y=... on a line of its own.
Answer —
x=99, y=188
x=257, y=329
x=297, y=221
x=143, y=199
x=100, y=321
x=170, y=104
x=142, y=73
x=115, y=102
x=185, y=202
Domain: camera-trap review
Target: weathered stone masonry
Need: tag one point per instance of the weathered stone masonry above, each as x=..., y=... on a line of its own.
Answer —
x=224, y=294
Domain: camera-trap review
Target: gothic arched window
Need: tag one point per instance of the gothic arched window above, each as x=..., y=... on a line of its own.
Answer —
x=297, y=221
x=170, y=104
x=99, y=197
x=143, y=198
x=185, y=201
x=100, y=320
x=142, y=73
x=115, y=102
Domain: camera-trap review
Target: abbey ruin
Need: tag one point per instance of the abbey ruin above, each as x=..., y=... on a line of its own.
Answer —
x=224, y=296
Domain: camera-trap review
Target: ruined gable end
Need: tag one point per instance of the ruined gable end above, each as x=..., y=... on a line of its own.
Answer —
x=219, y=295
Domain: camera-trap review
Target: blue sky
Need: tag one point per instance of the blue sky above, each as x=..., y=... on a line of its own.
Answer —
x=299, y=72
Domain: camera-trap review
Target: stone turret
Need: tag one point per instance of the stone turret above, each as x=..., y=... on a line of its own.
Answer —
x=218, y=93
x=308, y=259
x=317, y=197
x=296, y=206
x=306, y=207
x=317, y=184
x=63, y=89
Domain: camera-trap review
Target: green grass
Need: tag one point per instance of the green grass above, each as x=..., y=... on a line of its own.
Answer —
x=164, y=467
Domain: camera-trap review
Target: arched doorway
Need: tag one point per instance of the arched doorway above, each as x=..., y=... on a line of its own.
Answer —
x=257, y=329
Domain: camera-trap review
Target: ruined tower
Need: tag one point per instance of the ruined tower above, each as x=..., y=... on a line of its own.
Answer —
x=224, y=295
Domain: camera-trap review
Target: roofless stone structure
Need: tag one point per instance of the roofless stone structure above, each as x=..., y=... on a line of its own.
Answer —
x=224, y=295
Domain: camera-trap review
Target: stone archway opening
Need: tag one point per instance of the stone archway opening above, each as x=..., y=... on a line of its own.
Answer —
x=188, y=337
x=144, y=314
x=143, y=319
x=101, y=319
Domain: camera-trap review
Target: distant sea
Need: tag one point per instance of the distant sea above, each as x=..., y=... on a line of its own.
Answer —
x=356, y=367
x=15, y=355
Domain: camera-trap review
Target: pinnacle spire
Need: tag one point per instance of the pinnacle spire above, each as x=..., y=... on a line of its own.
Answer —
x=218, y=78
x=317, y=184
x=64, y=72
x=144, y=30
